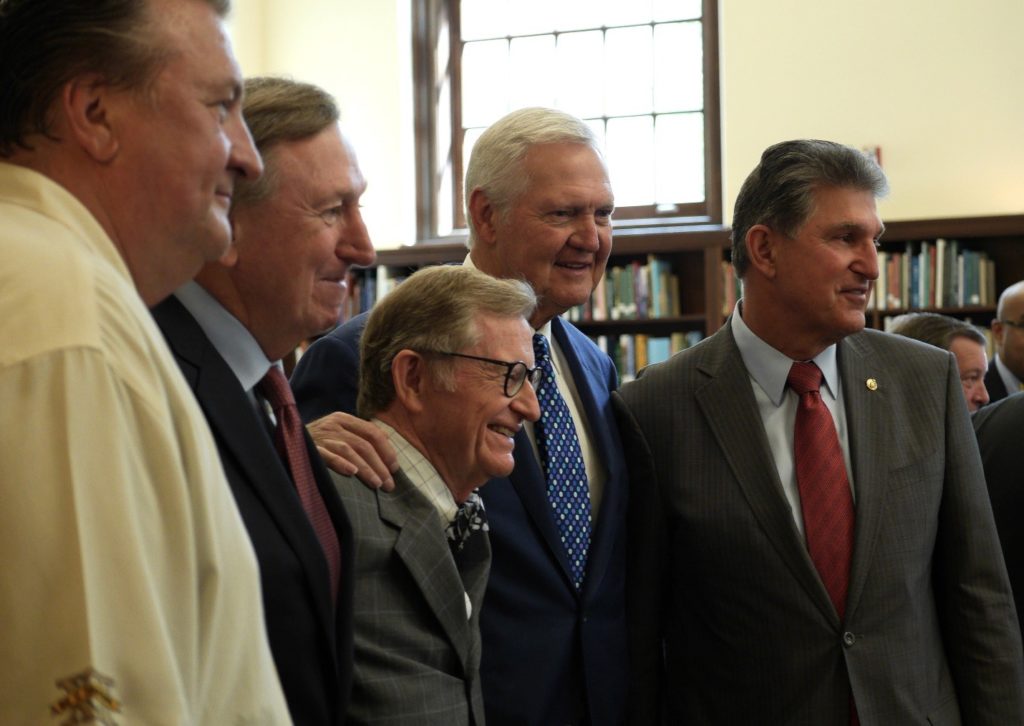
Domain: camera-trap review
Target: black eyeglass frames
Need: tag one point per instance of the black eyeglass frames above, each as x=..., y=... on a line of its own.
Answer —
x=516, y=372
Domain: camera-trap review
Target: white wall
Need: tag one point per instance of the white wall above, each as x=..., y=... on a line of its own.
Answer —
x=935, y=83
x=361, y=52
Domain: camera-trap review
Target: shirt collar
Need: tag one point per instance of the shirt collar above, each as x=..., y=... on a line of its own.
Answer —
x=233, y=341
x=770, y=368
x=421, y=473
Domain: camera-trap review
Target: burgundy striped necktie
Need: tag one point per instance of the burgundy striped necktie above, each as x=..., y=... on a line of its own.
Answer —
x=824, y=489
x=291, y=446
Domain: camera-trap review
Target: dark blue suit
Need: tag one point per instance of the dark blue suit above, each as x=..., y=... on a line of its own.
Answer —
x=312, y=646
x=550, y=655
x=994, y=382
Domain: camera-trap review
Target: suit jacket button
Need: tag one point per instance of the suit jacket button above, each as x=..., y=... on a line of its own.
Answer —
x=849, y=639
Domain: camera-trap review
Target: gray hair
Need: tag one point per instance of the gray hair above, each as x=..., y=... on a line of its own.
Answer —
x=935, y=329
x=278, y=110
x=494, y=164
x=46, y=43
x=434, y=310
x=779, y=192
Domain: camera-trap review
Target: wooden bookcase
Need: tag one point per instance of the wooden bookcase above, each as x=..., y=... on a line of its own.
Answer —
x=696, y=254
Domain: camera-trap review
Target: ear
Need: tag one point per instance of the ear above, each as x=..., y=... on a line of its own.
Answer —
x=230, y=256
x=410, y=377
x=762, y=249
x=87, y=102
x=484, y=216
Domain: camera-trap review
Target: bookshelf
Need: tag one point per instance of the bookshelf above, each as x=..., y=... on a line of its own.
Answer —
x=697, y=255
x=999, y=238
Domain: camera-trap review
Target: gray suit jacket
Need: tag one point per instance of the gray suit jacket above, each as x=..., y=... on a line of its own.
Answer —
x=417, y=656
x=729, y=620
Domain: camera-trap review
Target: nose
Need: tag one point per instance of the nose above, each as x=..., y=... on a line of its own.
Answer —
x=525, y=403
x=980, y=395
x=354, y=246
x=585, y=233
x=866, y=262
x=243, y=158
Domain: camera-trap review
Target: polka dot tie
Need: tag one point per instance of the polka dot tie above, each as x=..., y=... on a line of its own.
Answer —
x=562, y=462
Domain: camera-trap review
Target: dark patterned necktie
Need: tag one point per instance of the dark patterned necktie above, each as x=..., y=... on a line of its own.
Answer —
x=562, y=462
x=824, y=489
x=291, y=446
x=470, y=518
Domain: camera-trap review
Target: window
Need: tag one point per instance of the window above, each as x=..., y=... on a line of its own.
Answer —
x=643, y=74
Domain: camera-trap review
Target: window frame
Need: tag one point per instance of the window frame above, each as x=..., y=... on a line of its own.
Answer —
x=435, y=22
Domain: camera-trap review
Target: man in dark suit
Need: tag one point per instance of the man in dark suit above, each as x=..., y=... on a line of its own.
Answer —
x=448, y=372
x=811, y=541
x=296, y=234
x=1006, y=371
x=998, y=428
x=553, y=622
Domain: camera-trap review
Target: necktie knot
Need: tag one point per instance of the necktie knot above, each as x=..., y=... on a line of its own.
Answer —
x=470, y=518
x=541, y=351
x=804, y=378
x=274, y=387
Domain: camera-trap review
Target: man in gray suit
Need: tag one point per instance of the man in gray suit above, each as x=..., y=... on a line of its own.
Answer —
x=827, y=557
x=447, y=374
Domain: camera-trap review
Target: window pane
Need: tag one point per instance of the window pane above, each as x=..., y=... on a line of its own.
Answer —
x=679, y=158
x=445, y=202
x=597, y=126
x=526, y=17
x=531, y=61
x=676, y=9
x=678, y=74
x=484, y=81
x=580, y=88
x=630, y=148
x=483, y=19
x=629, y=70
x=576, y=14
x=626, y=12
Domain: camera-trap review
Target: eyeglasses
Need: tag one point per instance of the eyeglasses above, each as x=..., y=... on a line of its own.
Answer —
x=516, y=373
x=1012, y=323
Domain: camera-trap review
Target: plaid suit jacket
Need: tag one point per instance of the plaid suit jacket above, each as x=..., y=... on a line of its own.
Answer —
x=417, y=655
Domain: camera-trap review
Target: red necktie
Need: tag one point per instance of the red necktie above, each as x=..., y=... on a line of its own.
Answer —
x=824, y=489
x=291, y=446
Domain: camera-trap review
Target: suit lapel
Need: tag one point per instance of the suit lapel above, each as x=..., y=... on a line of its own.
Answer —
x=422, y=547
x=730, y=411
x=604, y=438
x=238, y=427
x=868, y=420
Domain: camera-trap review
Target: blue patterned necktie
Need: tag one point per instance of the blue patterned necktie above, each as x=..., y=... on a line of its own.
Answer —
x=562, y=461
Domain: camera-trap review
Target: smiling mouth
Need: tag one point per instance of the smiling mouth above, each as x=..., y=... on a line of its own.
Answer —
x=504, y=430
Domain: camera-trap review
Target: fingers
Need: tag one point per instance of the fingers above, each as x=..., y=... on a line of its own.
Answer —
x=352, y=446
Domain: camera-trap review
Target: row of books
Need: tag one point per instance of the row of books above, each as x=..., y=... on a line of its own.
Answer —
x=631, y=353
x=935, y=274
x=636, y=291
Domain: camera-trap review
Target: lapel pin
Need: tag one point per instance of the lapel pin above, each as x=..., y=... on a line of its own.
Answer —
x=872, y=384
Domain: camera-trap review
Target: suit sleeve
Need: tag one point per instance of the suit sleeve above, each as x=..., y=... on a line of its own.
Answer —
x=980, y=630
x=326, y=378
x=646, y=571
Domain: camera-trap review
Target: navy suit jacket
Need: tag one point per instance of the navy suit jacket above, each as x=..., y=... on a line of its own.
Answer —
x=994, y=382
x=551, y=655
x=312, y=646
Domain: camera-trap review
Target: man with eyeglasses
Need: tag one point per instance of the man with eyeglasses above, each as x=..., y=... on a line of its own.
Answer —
x=296, y=233
x=447, y=374
x=539, y=205
x=963, y=340
x=1006, y=371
